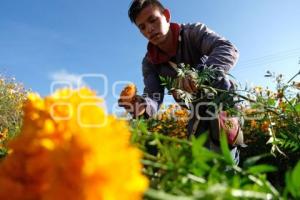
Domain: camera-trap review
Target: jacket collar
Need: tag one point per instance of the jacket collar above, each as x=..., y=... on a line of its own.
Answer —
x=156, y=55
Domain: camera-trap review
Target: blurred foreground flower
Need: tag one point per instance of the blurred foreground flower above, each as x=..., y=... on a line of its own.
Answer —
x=64, y=153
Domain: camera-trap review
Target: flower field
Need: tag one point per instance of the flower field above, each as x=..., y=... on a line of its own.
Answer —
x=64, y=146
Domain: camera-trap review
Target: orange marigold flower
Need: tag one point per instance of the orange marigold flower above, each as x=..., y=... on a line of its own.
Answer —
x=265, y=126
x=180, y=113
x=86, y=156
x=253, y=124
x=172, y=121
x=128, y=93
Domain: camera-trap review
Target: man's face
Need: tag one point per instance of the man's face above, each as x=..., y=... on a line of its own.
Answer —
x=153, y=24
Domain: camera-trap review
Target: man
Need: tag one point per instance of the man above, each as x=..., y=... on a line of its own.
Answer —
x=171, y=44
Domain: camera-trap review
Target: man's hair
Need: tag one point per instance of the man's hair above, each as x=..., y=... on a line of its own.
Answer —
x=137, y=6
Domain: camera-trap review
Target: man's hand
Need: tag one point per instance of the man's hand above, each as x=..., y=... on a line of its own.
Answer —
x=176, y=95
x=136, y=105
x=188, y=83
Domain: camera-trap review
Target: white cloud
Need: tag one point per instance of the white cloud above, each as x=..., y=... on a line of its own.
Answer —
x=63, y=77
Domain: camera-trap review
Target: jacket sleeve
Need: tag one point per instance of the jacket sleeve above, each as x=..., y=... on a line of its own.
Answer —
x=220, y=52
x=153, y=90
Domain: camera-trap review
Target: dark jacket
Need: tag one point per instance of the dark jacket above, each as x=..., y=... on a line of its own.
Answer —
x=198, y=46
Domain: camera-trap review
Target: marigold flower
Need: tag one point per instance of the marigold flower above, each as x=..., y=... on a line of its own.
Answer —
x=265, y=126
x=57, y=158
x=172, y=121
x=180, y=113
x=128, y=93
x=253, y=124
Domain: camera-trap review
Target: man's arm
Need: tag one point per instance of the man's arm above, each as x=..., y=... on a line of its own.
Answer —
x=221, y=53
x=153, y=90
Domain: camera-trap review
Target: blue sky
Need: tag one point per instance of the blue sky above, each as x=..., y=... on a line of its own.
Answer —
x=45, y=41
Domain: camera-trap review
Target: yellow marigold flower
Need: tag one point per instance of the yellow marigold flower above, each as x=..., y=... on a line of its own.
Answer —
x=74, y=158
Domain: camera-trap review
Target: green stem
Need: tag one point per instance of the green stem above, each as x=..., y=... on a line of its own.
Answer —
x=161, y=195
x=294, y=77
x=154, y=164
x=257, y=180
x=241, y=96
x=274, y=143
x=172, y=139
x=149, y=156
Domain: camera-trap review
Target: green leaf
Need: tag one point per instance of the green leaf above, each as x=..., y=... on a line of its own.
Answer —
x=252, y=160
x=259, y=169
x=289, y=186
x=271, y=102
x=199, y=142
x=292, y=181
x=225, y=150
x=297, y=107
x=162, y=78
x=296, y=176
